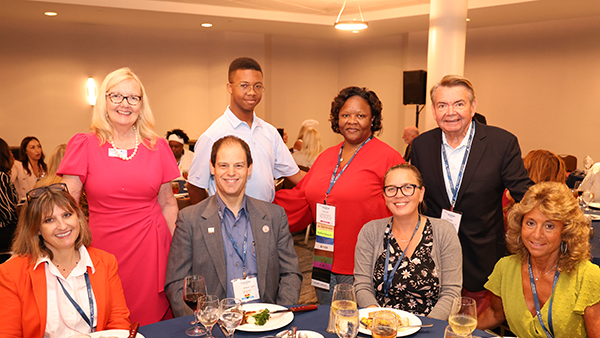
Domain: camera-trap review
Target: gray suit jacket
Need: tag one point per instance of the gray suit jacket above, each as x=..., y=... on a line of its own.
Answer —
x=197, y=251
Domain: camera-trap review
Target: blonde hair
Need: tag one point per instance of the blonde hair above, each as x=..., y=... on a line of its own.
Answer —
x=28, y=242
x=53, y=163
x=311, y=145
x=101, y=124
x=307, y=124
x=556, y=202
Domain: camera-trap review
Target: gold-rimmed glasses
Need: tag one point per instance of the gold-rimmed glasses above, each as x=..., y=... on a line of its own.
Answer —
x=245, y=87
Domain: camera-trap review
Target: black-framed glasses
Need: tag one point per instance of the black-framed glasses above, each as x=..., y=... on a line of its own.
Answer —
x=37, y=192
x=117, y=98
x=245, y=87
x=407, y=190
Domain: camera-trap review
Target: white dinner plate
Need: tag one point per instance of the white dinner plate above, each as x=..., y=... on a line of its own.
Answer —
x=412, y=320
x=276, y=321
x=308, y=333
x=594, y=205
x=114, y=333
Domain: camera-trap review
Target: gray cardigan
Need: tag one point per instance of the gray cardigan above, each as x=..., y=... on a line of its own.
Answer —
x=446, y=252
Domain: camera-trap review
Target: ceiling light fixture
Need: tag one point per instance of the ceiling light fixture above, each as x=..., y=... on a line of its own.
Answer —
x=206, y=25
x=50, y=13
x=351, y=25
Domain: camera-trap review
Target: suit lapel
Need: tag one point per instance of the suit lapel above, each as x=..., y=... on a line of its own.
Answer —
x=38, y=282
x=261, y=230
x=214, y=240
x=476, y=154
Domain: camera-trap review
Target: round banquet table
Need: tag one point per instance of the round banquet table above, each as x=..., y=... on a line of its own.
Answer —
x=313, y=320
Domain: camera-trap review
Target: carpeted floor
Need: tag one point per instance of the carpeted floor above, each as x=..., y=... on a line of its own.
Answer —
x=305, y=260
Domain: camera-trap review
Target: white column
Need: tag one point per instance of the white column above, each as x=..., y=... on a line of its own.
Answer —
x=446, y=50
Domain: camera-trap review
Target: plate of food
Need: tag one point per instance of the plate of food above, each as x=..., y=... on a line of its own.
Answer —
x=256, y=314
x=404, y=319
x=113, y=334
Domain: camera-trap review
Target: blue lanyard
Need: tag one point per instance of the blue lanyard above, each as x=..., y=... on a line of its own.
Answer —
x=335, y=177
x=387, y=281
x=237, y=250
x=462, y=166
x=90, y=320
x=549, y=334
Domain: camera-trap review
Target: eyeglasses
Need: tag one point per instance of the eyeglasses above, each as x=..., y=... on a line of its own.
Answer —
x=245, y=87
x=117, y=98
x=37, y=192
x=407, y=190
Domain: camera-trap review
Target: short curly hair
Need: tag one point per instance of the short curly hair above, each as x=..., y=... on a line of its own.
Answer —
x=368, y=95
x=556, y=202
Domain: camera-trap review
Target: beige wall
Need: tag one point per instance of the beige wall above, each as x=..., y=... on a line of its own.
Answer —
x=536, y=80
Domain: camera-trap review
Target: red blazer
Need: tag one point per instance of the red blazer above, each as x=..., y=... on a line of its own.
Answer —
x=23, y=296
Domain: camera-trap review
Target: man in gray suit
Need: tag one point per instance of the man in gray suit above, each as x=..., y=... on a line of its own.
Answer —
x=232, y=239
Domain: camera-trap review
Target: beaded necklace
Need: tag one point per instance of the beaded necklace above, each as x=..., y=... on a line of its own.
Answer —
x=137, y=143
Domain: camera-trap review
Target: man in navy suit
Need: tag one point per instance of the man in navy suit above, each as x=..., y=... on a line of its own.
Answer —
x=466, y=167
x=240, y=245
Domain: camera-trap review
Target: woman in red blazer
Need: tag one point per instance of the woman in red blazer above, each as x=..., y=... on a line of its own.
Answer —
x=55, y=285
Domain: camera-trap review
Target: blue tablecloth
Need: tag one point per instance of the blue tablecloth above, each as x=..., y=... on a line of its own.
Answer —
x=313, y=320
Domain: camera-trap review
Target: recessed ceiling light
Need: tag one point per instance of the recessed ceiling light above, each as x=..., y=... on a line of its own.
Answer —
x=206, y=24
x=468, y=19
x=355, y=32
x=50, y=13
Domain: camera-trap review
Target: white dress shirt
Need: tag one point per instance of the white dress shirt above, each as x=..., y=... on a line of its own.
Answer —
x=455, y=158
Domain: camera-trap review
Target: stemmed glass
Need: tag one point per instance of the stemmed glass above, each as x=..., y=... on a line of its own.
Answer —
x=587, y=198
x=194, y=290
x=344, y=298
x=231, y=315
x=449, y=333
x=346, y=323
x=463, y=316
x=385, y=325
x=208, y=313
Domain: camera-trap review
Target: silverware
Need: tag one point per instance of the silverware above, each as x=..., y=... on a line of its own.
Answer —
x=279, y=335
x=293, y=333
x=133, y=329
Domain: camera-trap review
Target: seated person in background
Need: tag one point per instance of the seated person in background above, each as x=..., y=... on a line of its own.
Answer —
x=549, y=278
x=177, y=141
x=30, y=167
x=54, y=271
x=307, y=124
x=591, y=181
x=283, y=134
x=8, y=201
x=542, y=166
x=53, y=163
x=211, y=236
x=408, y=261
x=408, y=136
x=311, y=148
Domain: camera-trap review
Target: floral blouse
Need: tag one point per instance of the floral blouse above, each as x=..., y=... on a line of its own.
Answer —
x=415, y=286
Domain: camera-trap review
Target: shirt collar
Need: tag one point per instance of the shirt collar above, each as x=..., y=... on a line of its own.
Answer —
x=235, y=122
x=84, y=262
x=223, y=206
x=464, y=141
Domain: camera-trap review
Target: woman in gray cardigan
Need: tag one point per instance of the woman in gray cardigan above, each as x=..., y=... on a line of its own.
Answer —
x=422, y=255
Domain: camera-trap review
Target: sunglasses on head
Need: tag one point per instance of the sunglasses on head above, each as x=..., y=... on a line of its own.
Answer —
x=37, y=192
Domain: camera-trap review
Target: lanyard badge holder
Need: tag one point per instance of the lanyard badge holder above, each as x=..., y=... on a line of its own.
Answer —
x=246, y=288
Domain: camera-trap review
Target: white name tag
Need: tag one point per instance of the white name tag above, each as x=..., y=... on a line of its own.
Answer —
x=453, y=217
x=246, y=289
x=112, y=152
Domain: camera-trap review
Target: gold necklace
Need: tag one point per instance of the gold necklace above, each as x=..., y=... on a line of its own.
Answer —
x=547, y=272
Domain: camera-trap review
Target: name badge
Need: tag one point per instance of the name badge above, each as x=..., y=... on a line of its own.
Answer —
x=246, y=289
x=453, y=217
x=112, y=152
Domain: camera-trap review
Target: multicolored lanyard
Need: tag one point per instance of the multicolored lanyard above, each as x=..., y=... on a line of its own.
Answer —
x=387, y=281
x=549, y=334
x=462, y=166
x=88, y=320
x=335, y=177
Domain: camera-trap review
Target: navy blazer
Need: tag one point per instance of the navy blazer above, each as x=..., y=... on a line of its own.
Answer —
x=494, y=164
x=197, y=249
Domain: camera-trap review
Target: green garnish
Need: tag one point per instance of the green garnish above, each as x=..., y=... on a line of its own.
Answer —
x=261, y=317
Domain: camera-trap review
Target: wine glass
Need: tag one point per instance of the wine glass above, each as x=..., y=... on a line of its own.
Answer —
x=208, y=313
x=587, y=198
x=463, y=316
x=449, y=333
x=231, y=315
x=385, y=325
x=344, y=298
x=194, y=290
x=346, y=323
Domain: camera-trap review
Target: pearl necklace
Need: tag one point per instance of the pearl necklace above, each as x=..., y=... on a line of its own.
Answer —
x=547, y=272
x=137, y=143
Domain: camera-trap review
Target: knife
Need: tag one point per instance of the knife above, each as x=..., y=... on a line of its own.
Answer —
x=133, y=329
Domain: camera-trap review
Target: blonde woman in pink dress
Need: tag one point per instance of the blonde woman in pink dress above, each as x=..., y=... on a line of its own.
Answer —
x=126, y=171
